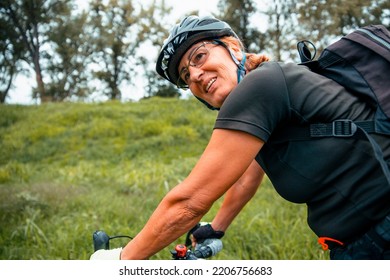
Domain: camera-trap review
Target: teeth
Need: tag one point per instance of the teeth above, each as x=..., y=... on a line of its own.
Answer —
x=210, y=83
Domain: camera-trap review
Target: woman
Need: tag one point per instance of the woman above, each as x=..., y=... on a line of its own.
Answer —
x=338, y=178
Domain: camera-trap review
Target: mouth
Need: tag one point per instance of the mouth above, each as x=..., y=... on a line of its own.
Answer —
x=210, y=83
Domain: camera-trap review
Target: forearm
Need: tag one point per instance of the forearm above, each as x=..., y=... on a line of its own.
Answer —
x=237, y=197
x=171, y=219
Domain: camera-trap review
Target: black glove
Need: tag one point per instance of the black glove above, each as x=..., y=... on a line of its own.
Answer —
x=206, y=232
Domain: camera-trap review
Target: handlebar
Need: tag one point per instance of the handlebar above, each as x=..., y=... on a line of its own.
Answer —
x=209, y=248
x=206, y=249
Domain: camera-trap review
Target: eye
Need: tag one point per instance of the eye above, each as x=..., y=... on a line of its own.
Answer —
x=185, y=75
x=198, y=58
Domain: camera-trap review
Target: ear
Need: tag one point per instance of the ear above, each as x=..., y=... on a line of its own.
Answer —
x=237, y=52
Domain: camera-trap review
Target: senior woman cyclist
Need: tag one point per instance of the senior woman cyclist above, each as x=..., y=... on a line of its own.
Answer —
x=341, y=182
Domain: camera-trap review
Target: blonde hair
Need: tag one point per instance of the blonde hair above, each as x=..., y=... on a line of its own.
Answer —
x=252, y=60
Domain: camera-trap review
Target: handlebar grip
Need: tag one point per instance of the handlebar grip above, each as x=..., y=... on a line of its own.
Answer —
x=100, y=240
x=209, y=248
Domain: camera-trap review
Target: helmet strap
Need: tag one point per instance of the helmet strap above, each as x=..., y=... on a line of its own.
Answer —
x=241, y=68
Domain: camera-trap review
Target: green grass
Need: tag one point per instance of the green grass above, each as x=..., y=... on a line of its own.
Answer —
x=68, y=169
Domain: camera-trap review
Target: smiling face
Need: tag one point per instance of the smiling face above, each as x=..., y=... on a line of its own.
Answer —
x=215, y=77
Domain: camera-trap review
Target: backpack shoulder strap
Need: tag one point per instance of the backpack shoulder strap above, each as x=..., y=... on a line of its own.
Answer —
x=373, y=33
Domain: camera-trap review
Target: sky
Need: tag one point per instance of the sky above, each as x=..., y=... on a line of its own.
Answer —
x=22, y=85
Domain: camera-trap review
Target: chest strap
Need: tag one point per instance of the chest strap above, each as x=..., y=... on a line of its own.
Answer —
x=340, y=128
x=337, y=128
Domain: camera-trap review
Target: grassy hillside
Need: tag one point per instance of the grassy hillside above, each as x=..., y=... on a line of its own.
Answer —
x=69, y=169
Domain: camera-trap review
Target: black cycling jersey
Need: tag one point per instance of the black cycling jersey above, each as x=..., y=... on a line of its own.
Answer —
x=338, y=178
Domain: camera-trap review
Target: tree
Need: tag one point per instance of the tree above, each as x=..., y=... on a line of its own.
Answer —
x=282, y=30
x=30, y=20
x=9, y=55
x=116, y=38
x=154, y=32
x=126, y=38
x=327, y=19
x=237, y=14
x=156, y=85
x=277, y=39
x=70, y=55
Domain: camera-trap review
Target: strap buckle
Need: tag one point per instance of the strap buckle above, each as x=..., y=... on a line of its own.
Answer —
x=343, y=128
x=337, y=128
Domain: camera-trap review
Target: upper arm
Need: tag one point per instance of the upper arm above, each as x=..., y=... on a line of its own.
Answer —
x=225, y=159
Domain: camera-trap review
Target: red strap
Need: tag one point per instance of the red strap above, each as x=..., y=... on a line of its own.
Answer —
x=323, y=240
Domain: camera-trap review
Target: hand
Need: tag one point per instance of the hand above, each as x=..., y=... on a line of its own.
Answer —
x=113, y=254
x=205, y=231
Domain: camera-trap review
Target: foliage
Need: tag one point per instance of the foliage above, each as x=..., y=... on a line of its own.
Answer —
x=325, y=20
x=31, y=21
x=67, y=48
x=238, y=15
x=68, y=169
x=158, y=86
x=155, y=33
x=71, y=53
x=118, y=32
x=112, y=44
x=10, y=54
x=283, y=29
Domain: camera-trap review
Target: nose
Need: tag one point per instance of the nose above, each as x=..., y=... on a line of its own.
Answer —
x=195, y=74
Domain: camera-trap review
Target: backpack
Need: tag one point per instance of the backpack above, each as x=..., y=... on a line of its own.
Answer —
x=360, y=62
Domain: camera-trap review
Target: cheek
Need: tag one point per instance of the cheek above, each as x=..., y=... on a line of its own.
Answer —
x=229, y=79
x=228, y=71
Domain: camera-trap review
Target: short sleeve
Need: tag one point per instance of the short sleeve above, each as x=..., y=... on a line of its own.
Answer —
x=258, y=104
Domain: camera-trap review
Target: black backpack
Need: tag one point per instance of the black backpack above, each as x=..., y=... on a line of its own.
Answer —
x=360, y=62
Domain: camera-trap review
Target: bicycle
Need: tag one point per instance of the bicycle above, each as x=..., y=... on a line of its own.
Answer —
x=206, y=249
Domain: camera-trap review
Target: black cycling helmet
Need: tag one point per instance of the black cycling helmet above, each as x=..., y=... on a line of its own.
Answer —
x=189, y=31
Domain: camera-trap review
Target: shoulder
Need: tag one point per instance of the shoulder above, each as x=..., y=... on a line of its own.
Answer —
x=267, y=70
x=267, y=82
x=258, y=103
x=279, y=68
x=277, y=75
